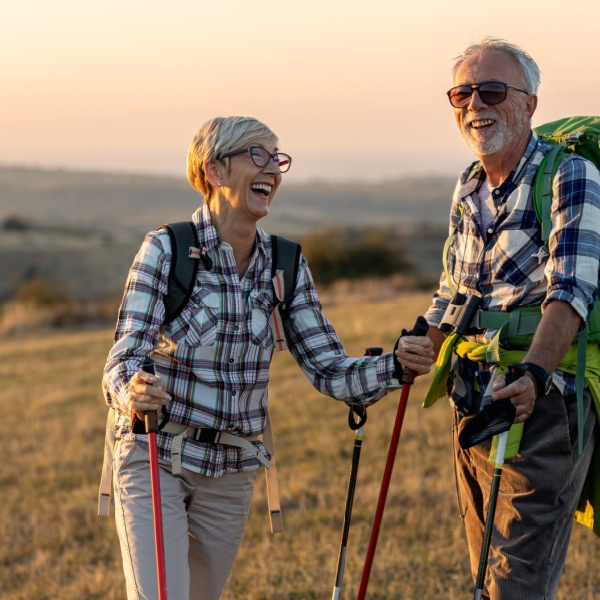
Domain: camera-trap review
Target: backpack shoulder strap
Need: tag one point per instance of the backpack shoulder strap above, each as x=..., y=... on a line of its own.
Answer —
x=184, y=269
x=284, y=273
x=542, y=189
x=286, y=257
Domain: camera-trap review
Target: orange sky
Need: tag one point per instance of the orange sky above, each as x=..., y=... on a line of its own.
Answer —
x=355, y=90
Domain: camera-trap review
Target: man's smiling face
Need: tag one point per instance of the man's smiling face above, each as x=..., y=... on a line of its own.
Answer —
x=493, y=129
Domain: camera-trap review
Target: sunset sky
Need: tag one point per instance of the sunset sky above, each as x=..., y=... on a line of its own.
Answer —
x=355, y=90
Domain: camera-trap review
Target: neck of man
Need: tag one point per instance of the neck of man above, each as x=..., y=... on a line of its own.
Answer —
x=500, y=165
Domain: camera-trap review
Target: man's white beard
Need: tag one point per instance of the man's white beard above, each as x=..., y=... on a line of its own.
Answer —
x=490, y=143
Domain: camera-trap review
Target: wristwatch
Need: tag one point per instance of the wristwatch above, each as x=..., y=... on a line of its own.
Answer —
x=543, y=379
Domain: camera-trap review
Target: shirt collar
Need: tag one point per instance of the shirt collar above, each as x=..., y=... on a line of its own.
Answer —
x=209, y=237
x=474, y=176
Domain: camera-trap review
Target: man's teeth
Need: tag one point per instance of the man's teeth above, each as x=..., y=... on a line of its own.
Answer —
x=482, y=123
x=261, y=187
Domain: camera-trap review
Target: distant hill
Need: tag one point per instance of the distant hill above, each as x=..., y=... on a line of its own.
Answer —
x=82, y=229
x=136, y=203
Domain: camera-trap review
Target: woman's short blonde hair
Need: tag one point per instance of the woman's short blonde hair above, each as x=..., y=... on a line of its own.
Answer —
x=215, y=138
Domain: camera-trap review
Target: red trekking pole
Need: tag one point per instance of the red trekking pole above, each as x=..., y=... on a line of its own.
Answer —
x=151, y=419
x=421, y=327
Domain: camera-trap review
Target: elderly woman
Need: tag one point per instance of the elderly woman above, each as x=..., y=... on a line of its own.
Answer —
x=213, y=367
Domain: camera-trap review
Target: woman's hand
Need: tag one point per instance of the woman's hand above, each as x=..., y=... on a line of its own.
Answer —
x=416, y=353
x=146, y=393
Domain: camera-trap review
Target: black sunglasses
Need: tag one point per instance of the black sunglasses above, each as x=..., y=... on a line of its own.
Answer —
x=260, y=157
x=490, y=92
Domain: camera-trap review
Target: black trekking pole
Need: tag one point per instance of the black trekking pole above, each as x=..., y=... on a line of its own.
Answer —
x=357, y=418
x=514, y=372
x=420, y=329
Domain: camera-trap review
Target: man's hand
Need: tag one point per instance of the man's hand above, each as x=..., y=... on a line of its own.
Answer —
x=416, y=353
x=552, y=339
x=146, y=393
x=522, y=393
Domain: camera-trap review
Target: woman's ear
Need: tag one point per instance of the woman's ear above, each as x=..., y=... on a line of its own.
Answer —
x=213, y=173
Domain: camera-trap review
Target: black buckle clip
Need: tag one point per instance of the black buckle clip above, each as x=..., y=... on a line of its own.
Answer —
x=460, y=313
x=207, y=436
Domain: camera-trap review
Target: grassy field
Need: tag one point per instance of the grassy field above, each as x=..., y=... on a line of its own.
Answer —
x=53, y=546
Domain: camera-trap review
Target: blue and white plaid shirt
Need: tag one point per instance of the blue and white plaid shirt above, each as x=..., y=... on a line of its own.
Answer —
x=505, y=263
x=215, y=356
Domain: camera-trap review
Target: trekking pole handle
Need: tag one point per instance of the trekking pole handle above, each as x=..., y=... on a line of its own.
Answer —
x=374, y=351
x=514, y=372
x=150, y=417
x=420, y=329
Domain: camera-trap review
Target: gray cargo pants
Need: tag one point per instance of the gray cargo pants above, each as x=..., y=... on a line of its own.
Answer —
x=539, y=491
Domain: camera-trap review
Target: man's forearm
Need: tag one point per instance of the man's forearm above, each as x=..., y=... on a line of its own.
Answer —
x=554, y=335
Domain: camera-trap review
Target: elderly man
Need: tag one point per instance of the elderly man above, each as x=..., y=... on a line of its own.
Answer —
x=497, y=263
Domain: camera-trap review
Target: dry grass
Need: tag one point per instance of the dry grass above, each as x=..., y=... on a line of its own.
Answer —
x=53, y=546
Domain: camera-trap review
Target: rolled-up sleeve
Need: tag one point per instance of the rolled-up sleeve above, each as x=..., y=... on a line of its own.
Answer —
x=574, y=245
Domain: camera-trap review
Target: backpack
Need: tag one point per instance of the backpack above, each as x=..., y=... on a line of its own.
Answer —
x=572, y=135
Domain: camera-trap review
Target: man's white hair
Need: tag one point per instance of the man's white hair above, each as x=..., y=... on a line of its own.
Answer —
x=531, y=72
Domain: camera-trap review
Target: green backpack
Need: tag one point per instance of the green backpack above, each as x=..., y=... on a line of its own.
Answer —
x=573, y=135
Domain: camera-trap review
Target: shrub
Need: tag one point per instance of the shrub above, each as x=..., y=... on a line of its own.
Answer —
x=39, y=292
x=354, y=253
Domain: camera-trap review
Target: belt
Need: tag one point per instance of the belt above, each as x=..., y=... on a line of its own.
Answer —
x=209, y=436
x=520, y=321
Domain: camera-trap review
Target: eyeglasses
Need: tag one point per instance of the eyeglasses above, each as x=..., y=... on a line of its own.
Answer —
x=260, y=157
x=490, y=92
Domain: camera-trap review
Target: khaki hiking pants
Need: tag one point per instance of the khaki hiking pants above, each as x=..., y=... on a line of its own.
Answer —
x=203, y=521
x=539, y=491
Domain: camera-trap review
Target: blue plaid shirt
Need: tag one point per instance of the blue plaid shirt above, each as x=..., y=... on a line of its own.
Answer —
x=215, y=357
x=505, y=263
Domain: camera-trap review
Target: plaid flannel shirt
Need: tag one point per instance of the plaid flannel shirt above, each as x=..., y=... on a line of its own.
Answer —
x=215, y=356
x=506, y=264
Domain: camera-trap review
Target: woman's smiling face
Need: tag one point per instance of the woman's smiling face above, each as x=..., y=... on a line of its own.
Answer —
x=248, y=188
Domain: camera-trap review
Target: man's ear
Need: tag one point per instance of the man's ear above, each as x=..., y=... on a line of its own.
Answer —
x=531, y=103
x=213, y=173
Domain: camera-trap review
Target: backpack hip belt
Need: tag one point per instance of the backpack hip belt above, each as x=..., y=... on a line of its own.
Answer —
x=517, y=322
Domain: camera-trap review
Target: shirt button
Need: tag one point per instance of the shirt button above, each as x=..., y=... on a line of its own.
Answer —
x=490, y=230
x=236, y=328
x=231, y=360
x=233, y=393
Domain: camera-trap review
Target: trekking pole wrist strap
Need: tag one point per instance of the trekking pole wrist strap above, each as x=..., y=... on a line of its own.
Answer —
x=398, y=370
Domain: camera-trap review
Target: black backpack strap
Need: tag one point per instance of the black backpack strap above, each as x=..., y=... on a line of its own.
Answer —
x=286, y=257
x=183, y=272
